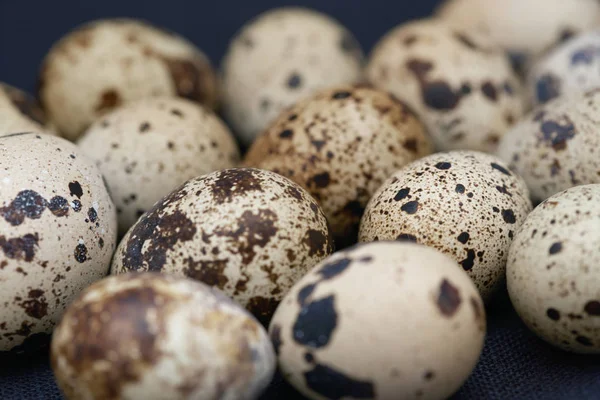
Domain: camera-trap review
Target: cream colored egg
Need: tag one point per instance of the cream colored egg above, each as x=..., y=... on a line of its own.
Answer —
x=20, y=112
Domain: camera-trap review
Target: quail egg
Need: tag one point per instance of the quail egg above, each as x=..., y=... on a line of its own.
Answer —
x=20, y=112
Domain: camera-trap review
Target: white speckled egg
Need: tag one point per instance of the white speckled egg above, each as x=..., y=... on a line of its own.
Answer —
x=466, y=204
x=249, y=232
x=341, y=144
x=568, y=71
x=557, y=146
x=553, y=271
x=461, y=84
x=380, y=321
x=107, y=63
x=150, y=147
x=151, y=336
x=278, y=58
x=20, y=112
x=57, y=233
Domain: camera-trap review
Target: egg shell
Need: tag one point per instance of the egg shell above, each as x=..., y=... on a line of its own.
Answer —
x=57, y=233
x=151, y=336
x=466, y=204
x=556, y=146
x=280, y=57
x=340, y=145
x=568, y=71
x=553, y=271
x=249, y=232
x=383, y=320
x=20, y=112
x=107, y=63
x=150, y=147
x=460, y=84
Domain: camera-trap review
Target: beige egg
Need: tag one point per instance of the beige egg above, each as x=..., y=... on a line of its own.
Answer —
x=151, y=336
x=464, y=203
x=107, y=63
x=460, y=83
x=280, y=57
x=553, y=270
x=58, y=231
x=20, y=112
x=249, y=232
x=150, y=147
x=557, y=146
x=340, y=145
x=380, y=321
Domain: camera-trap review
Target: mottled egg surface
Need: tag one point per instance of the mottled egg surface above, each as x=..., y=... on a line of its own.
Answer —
x=385, y=321
x=152, y=146
x=150, y=336
x=553, y=270
x=107, y=63
x=460, y=83
x=466, y=204
x=249, y=232
x=280, y=57
x=340, y=145
x=57, y=232
x=20, y=112
x=557, y=146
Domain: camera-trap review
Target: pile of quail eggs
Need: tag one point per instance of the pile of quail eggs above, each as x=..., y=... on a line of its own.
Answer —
x=382, y=202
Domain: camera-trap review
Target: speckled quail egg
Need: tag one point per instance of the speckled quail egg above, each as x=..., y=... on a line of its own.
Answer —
x=280, y=57
x=524, y=28
x=464, y=203
x=384, y=321
x=553, y=271
x=150, y=147
x=568, y=71
x=151, y=336
x=57, y=233
x=20, y=112
x=556, y=146
x=460, y=83
x=249, y=232
x=340, y=145
x=107, y=63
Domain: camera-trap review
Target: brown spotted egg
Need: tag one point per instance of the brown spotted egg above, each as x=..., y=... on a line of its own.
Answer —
x=107, y=63
x=151, y=336
x=464, y=203
x=58, y=231
x=553, y=271
x=460, y=83
x=20, y=112
x=384, y=321
x=150, y=147
x=556, y=146
x=280, y=57
x=249, y=232
x=340, y=145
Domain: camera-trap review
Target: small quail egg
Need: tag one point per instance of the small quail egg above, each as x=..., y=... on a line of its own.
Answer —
x=380, y=321
x=20, y=112
x=151, y=336
x=107, y=63
x=340, y=145
x=150, y=147
x=466, y=204
x=249, y=232
x=280, y=57
x=57, y=233
x=553, y=271
x=460, y=83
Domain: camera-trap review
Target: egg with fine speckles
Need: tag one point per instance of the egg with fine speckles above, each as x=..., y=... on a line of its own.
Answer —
x=341, y=144
x=461, y=84
x=151, y=336
x=249, y=232
x=553, y=271
x=334, y=337
x=280, y=57
x=104, y=64
x=466, y=204
x=20, y=112
x=58, y=231
x=150, y=147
